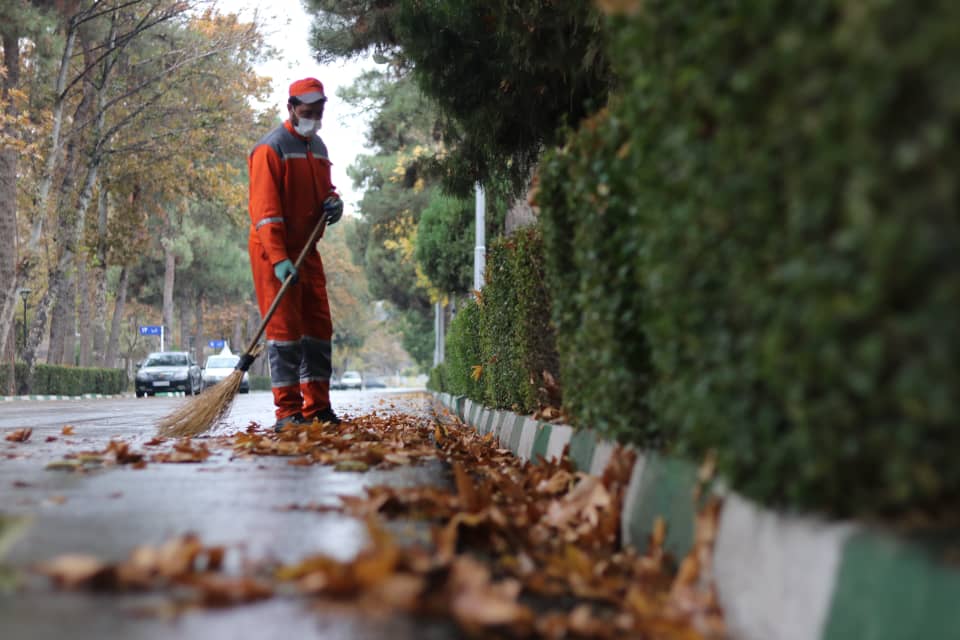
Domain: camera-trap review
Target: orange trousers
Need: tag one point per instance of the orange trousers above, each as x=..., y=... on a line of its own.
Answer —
x=298, y=334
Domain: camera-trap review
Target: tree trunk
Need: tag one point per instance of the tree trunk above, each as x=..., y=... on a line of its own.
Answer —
x=110, y=360
x=169, y=273
x=8, y=199
x=84, y=322
x=56, y=329
x=261, y=365
x=184, y=339
x=236, y=340
x=46, y=179
x=199, y=338
x=99, y=278
x=69, y=356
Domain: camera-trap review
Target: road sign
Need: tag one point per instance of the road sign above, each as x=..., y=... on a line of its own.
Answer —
x=215, y=344
x=151, y=330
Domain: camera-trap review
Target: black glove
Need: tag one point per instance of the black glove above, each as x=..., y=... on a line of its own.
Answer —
x=333, y=207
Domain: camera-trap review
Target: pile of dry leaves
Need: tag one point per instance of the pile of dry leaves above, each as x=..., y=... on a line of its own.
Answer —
x=517, y=549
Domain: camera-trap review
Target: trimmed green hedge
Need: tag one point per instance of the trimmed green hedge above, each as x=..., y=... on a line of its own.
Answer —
x=756, y=248
x=509, y=333
x=66, y=381
x=260, y=383
x=462, y=352
x=436, y=380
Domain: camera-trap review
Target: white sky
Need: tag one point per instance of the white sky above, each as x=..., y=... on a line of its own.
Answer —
x=286, y=27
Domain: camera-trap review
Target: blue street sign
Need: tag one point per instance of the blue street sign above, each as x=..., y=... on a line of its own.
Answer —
x=150, y=330
x=215, y=344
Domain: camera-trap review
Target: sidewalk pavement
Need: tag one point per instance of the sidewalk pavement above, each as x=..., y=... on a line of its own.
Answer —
x=779, y=575
x=241, y=503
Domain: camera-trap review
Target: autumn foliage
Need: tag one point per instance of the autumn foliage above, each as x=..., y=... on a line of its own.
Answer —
x=516, y=548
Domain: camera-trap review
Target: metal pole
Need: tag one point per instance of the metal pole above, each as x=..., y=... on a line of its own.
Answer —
x=480, y=252
x=161, y=338
x=442, y=308
x=436, y=333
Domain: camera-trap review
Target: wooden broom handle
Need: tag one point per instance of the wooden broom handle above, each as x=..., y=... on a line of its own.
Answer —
x=248, y=357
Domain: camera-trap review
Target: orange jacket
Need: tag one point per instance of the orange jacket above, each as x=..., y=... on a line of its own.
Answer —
x=289, y=180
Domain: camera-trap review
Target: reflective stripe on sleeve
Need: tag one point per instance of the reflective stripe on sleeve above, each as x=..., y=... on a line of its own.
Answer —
x=277, y=220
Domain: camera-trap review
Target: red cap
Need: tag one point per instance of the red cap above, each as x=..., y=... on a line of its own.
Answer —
x=307, y=90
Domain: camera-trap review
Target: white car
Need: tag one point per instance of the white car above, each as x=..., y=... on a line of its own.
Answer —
x=219, y=367
x=351, y=380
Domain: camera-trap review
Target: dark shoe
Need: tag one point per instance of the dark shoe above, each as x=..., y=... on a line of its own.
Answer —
x=295, y=420
x=327, y=415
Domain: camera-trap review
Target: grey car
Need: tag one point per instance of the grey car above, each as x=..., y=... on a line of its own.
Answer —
x=168, y=371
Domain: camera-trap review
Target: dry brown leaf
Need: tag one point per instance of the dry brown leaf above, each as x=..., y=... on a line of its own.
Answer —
x=75, y=571
x=67, y=430
x=19, y=435
x=217, y=590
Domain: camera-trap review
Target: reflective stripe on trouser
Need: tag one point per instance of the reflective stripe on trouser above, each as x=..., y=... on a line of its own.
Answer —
x=298, y=334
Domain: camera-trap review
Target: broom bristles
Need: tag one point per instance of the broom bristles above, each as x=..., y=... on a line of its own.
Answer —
x=203, y=411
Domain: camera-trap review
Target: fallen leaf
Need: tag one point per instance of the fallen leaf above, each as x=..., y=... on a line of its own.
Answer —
x=64, y=465
x=67, y=430
x=19, y=435
x=217, y=590
x=351, y=465
x=73, y=571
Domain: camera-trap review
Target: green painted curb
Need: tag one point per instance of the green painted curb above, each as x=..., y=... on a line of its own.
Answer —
x=540, y=442
x=514, y=444
x=878, y=587
x=582, y=444
x=666, y=489
x=887, y=589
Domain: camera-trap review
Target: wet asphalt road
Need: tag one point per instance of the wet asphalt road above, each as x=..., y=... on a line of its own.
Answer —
x=236, y=502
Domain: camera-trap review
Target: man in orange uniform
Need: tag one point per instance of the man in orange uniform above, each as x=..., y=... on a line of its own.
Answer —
x=290, y=190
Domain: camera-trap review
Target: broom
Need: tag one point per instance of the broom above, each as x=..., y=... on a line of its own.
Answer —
x=202, y=412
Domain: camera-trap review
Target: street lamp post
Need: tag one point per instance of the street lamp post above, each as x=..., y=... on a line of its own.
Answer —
x=23, y=296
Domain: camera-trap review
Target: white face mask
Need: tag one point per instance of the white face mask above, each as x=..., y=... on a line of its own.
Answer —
x=307, y=127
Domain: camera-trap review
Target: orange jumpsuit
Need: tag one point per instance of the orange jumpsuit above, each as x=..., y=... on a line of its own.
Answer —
x=289, y=180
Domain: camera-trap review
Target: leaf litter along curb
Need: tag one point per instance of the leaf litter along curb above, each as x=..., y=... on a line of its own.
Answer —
x=518, y=549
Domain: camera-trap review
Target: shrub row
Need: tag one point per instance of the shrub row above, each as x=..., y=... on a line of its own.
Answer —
x=260, y=383
x=508, y=333
x=68, y=381
x=756, y=249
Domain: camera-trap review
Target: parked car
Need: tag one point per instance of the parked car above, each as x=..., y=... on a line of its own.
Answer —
x=351, y=380
x=219, y=367
x=168, y=371
x=374, y=383
x=335, y=383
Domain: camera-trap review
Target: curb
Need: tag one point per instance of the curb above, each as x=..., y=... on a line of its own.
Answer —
x=778, y=575
x=85, y=396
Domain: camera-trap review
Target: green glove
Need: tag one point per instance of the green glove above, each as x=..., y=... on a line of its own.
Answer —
x=283, y=269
